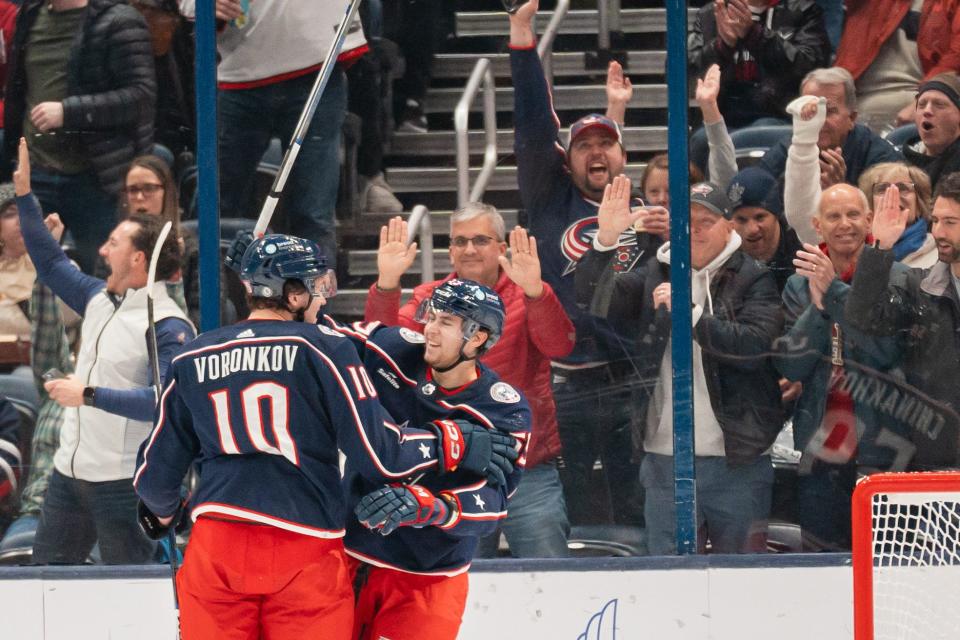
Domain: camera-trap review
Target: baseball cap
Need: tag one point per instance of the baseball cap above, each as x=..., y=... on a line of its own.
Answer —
x=592, y=122
x=712, y=197
x=7, y=196
x=751, y=188
x=947, y=83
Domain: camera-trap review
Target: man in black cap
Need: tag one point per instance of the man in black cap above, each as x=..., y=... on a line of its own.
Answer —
x=737, y=406
x=936, y=149
x=758, y=220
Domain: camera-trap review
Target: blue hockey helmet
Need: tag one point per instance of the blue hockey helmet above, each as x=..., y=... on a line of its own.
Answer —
x=479, y=306
x=272, y=260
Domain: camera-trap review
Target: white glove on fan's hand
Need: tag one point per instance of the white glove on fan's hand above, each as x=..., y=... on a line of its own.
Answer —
x=806, y=122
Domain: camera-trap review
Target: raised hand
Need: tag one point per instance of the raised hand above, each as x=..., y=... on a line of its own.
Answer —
x=619, y=92
x=741, y=18
x=708, y=88
x=21, y=177
x=726, y=29
x=54, y=225
x=394, y=256
x=523, y=267
x=521, y=24
x=814, y=264
x=833, y=168
x=889, y=219
x=615, y=216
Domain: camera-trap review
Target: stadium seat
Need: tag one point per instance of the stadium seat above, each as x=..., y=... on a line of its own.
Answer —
x=752, y=142
x=617, y=541
x=16, y=547
x=899, y=136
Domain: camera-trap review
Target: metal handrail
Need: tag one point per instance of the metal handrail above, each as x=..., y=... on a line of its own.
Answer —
x=482, y=72
x=609, y=22
x=545, y=46
x=420, y=224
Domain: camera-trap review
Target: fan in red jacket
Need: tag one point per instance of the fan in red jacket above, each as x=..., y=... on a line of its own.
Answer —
x=884, y=40
x=537, y=330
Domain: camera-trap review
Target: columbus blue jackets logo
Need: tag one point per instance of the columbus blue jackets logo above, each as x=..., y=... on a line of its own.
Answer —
x=411, y=336
x=503, y=392
x=330, y=332
x=578, y=239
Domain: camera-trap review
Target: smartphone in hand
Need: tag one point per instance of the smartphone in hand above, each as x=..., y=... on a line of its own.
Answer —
x=53, y=374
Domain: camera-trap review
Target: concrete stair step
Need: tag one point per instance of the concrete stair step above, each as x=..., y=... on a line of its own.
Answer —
x=363, y=262
x=565, y=97
x=443, y=143
x=566, y=64
x=584, y=21
x=420, y=179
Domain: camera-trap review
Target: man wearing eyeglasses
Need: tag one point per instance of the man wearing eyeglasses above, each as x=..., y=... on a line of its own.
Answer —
x=536, y=330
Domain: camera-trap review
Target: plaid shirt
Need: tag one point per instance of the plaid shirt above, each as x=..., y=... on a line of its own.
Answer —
x=49, y=349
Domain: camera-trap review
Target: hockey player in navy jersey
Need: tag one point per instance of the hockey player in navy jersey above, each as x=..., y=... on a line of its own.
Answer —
x=416, y=541
x=262, y=407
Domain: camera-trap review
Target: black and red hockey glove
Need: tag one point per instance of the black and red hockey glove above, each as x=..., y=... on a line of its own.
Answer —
x=485, y=452
x=401, y=506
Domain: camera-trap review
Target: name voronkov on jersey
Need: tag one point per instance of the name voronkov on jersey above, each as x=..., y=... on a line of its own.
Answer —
x=239, y=359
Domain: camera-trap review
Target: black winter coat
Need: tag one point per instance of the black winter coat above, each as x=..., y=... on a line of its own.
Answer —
x=922, y=310
x=112, y=88
x=735, y=339
x=936, y=166
x=761, y=75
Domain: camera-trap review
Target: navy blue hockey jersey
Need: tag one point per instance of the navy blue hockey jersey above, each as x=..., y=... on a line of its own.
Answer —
x=263, y=406
x=393, y=356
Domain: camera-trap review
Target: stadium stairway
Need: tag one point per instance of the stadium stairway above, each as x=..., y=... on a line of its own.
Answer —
x=421, y=167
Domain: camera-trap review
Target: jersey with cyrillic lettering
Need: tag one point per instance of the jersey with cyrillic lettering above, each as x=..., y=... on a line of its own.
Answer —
x=263, y=406
x=393, y=357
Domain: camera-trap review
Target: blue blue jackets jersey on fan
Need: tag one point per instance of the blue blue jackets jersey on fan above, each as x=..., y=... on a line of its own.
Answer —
x=393, y=357
x=563, y=220
x=263, y=406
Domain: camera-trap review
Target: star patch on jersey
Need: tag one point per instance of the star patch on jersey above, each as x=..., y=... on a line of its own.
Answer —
x=479, y=501
x=411, y=336
x=503, y=392
x=425, y=450
x=330, y=332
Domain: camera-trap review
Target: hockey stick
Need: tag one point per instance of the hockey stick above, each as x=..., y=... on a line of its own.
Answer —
x=154, y=354
x=286, y=165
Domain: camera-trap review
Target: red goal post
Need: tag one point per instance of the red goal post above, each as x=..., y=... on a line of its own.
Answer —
x=906, y=556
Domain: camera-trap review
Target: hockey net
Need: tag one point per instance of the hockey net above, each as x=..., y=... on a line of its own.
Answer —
x=906, y=556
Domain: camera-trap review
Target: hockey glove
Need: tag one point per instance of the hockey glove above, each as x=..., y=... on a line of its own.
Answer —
x=151, y=523
x=485, y=452
x=234, y=258
x=401, y=506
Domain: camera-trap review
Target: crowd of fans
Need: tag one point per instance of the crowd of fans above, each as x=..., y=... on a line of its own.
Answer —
x=825, y=274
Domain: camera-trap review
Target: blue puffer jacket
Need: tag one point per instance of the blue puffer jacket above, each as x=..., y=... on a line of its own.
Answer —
x=804, y=355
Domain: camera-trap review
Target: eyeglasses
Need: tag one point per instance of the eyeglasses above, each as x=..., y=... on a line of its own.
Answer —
x=905, y=187
x=146, y=190
x=478, y=241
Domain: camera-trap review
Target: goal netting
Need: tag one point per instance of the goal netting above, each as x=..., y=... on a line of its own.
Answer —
x=906, y=556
